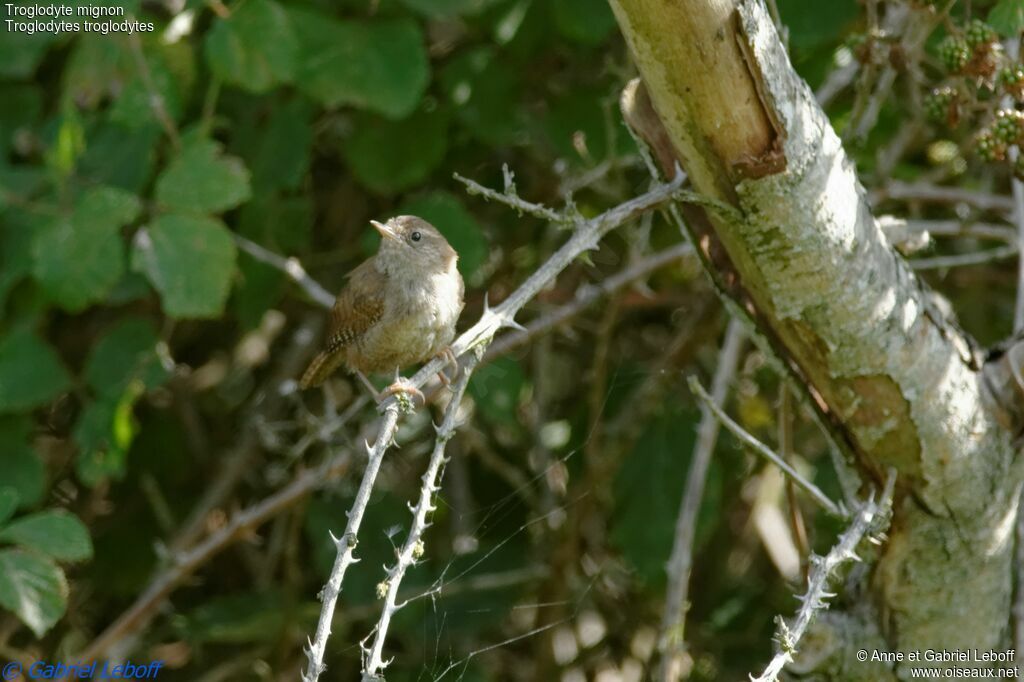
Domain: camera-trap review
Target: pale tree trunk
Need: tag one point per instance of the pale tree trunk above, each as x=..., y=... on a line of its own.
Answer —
x=793, y=242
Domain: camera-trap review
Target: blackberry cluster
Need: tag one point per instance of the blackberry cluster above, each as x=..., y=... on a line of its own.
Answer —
x=942, y=107
x=1011, y=78
x=955, y=54
x=980, y=36
x=1008, y=127
x=989, y=148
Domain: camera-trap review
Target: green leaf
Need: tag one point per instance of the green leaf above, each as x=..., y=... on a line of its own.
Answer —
x=56, y=533
x=96, y=69
x=120, y=156
x=33, y=588
x=22, y=469
x=31, y=374
x=586, y=22
x=133, y=107
x=277, y=152
x=447, y=214
x=8, y=502
x=391, y=156
x=126, y=352
x=378, y=65
x=18, y=230
x=81, y=257
x=255, y=48
x=104, y=433
x=190, y=260
x=1007, y=17
x=202, y=179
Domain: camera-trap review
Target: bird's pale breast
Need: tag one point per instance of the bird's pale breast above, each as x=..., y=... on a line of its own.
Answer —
x=416, y=325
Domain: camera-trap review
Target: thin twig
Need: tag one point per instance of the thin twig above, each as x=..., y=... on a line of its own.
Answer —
x=927, y=192
x=866, y=521
x=346, y=544
x=766, y=452
x=965, y=259
x=586, y=295
x=413, y=547
x=511, y=198
x=672, y=640
x=290, y=267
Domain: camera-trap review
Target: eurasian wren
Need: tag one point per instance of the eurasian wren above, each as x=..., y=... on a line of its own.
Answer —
x=399, y=307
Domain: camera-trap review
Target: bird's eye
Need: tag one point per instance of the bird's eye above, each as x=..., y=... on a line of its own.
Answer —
x=415, y=236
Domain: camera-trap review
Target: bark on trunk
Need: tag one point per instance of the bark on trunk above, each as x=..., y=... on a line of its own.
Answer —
x=898, y=384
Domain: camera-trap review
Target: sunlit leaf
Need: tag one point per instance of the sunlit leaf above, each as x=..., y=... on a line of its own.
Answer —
x=33, y=588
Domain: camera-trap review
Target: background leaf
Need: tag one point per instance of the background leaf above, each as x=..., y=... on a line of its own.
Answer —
x=255, y=48
x=56, y=533
x=190, y=261
x=79, y=258
x=202, y=179
x=33, y=588
x=376, y=65
x=30, y=371
x=390, y=156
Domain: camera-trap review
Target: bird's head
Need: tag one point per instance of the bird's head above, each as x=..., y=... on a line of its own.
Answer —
x=411, y=244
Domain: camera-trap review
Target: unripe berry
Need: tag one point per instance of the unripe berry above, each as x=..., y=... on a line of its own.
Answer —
x=979, y=34
x=942, y=108
x=1012, y=80
x=954, y=53
x=1008, y=127
x=989, y=148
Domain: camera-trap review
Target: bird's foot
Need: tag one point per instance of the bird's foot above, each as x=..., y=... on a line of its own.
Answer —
x=404, y=393
x=450, y=360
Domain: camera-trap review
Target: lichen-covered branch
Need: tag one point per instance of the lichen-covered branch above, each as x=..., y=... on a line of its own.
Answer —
x=895, y=380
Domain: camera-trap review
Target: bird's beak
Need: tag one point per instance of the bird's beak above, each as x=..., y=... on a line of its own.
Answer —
x=385, y=230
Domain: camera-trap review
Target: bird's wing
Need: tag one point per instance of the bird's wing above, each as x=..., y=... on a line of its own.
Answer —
x=358, y=307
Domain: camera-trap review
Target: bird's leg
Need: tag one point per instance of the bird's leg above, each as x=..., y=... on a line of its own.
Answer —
x=402, y=387
x=369, y=385
x=449, y=356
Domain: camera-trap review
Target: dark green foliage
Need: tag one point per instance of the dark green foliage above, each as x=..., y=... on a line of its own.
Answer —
x=145, y=357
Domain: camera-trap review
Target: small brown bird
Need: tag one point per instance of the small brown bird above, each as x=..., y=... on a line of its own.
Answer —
x=399, y=307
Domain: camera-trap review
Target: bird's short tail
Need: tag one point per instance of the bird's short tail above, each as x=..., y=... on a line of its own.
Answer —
x=322, y=366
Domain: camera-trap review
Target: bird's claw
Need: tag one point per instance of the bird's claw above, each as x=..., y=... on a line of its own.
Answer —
x=450, y=360
x=404, y=392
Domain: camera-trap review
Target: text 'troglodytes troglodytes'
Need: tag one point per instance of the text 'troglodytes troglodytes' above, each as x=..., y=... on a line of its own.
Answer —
x=398, y=308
